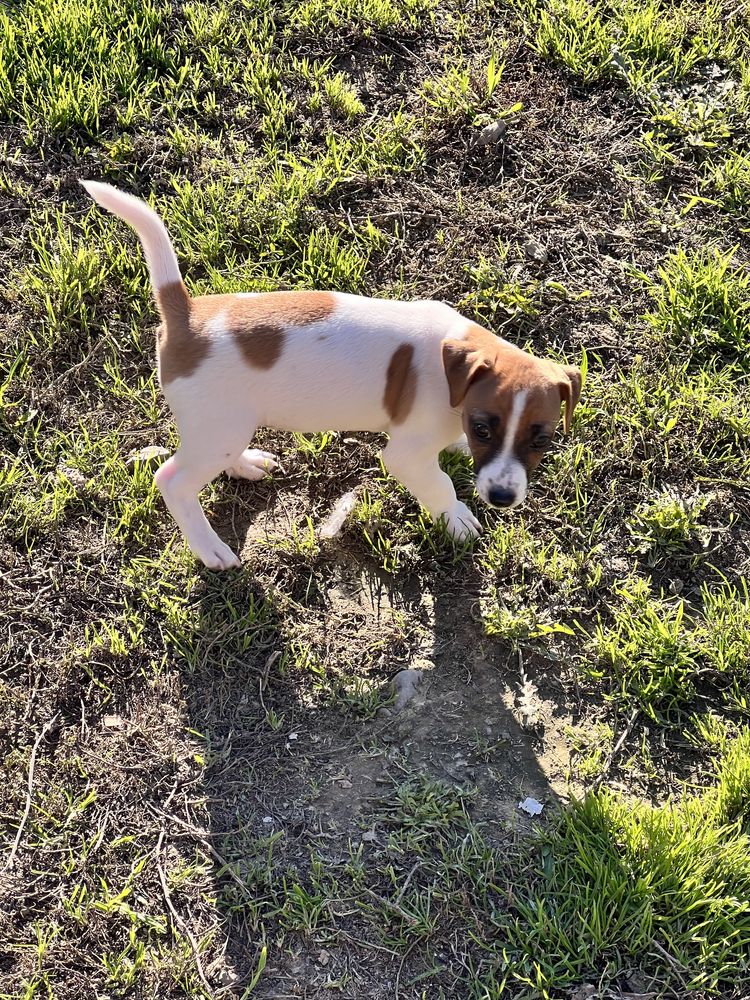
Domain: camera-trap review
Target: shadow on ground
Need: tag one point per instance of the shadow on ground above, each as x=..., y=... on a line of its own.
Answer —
x=298, y=773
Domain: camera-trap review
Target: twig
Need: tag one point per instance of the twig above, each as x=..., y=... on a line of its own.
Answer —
x=407, y=880
x=616, y=748
x=207, y=845
x=410, y=919
x=29, y=789
x=676, y=965
x=177, y=920
x=361, y=943
x=65, y=375
x=407, y=953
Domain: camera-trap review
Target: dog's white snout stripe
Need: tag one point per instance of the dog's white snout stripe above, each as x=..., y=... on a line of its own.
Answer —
x=505, y=471
x=519, y=402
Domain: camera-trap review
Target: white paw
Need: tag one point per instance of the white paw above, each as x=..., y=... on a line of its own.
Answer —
x=461, y=446
x=253, y=464
x=214, y=554
x=460, y=523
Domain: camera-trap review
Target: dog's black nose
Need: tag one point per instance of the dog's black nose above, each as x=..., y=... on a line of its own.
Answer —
x=499, y=496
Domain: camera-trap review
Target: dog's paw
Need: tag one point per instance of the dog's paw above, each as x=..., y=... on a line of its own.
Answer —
x=215, y=554
x=460, y=523
x=461, y=446
x=253, y=464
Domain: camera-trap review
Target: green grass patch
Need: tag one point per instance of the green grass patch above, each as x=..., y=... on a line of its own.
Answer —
x=644, y=41
x=702, y=303
x=660, y=650
x=71, y=65
x=367, y=15
x=665, y=527
x=617, y=880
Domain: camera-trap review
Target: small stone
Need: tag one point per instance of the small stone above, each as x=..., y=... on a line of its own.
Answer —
x=324, y=958
x=113, y=722
x=369, y=836
x=151, y=457
x=405, y=685
x=227, y=977
x=74, y=476
x=535, y=252
x=491, y=133
x=267, y=820
x=587, y=991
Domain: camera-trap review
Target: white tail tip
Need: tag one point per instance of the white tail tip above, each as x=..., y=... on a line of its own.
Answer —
x=160, y=254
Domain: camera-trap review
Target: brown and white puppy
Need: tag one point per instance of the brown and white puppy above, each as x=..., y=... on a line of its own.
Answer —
x=510, y=403
x=314, y=361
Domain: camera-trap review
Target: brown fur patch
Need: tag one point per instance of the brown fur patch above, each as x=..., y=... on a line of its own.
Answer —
x=400, y=384
x=285, y=308
x=257, y=322
x=261, y=344
x=180, y=350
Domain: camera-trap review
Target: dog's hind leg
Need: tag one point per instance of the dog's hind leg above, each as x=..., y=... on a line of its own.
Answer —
x=206, y=450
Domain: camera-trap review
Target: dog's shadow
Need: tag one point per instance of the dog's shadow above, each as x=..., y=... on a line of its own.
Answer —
x=289, y=688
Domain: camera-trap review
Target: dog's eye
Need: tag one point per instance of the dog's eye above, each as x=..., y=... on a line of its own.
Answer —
x=541, y=441
x=481, y=431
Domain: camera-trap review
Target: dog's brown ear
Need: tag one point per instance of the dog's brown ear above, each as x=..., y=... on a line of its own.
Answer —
x=463, y=364
x=570, y=392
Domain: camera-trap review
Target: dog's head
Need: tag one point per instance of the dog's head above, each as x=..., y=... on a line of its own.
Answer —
x=510, y=401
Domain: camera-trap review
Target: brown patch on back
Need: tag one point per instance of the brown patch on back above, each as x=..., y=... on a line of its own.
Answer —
x=400, y=384
x=257, y=322
x=261, y=343
x=284, y=309
x=180, y=351
x=291, y=308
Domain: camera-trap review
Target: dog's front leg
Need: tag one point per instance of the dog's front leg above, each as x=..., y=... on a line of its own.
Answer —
x=415, y=464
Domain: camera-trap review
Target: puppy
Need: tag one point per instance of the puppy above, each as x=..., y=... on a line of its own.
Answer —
x=314, y=361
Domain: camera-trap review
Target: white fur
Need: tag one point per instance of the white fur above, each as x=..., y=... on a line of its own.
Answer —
x=160, y=255
x=505, y=471
x=332, y=384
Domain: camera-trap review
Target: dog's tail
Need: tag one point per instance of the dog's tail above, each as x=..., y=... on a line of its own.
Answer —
x=171, y=294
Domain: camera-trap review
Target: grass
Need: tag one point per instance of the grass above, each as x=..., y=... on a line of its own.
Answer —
x=659, y=650
x=608, y=883
x=672, y=879
x=666, y=527
x=702, y=304
x=208, y=788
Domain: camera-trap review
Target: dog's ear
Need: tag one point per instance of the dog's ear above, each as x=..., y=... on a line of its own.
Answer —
x=570, y=392
x=463, y=364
